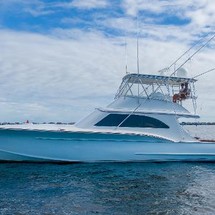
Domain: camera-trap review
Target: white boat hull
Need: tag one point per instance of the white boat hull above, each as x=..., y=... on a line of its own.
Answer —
x=61, y=146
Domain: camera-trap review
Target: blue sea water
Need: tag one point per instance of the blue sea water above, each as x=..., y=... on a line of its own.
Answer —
x=108, y=188
x=114, y=188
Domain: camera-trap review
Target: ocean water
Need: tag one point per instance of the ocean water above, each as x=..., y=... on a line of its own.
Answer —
x=109, y=188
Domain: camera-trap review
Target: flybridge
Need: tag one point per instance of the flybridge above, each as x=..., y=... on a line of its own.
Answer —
x=157, y=79
x=167, y=88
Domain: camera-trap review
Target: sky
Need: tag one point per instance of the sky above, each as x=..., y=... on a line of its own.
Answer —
x=61, y=59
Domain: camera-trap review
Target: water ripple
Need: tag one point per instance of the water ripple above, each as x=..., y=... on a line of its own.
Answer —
x=122, y=188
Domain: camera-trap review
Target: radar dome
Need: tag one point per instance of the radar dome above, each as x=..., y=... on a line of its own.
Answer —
x=182, y=73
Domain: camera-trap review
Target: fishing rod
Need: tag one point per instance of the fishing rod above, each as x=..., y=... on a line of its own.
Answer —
x=210, y=70
x=188, y=50
x=198, y=50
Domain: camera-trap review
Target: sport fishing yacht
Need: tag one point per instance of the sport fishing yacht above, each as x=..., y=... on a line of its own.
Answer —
x=141, y=124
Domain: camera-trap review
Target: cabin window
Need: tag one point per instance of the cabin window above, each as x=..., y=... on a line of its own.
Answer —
x=112, y=120
x=132, y=121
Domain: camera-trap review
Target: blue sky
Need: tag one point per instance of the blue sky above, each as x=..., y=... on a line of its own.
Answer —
x=42, y=16
x=60, y=59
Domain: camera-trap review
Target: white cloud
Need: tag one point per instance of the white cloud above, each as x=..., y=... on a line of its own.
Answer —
x=89, y=4
x=55, y=72
x=199, y=12
x=132, y=7
x=64, y=76
x=42, y=8
x=179, y=7
x=202, y=13
x=33, y=7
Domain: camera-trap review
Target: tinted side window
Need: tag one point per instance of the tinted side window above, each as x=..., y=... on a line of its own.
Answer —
x=131, y=121
x=112, y=120
x=143, y=122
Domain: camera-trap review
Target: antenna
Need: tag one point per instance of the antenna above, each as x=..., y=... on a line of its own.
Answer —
x=138, y=63
x=126, y=57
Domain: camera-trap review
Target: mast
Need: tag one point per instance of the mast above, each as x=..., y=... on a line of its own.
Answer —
x=138, y=63
x=126, y=57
